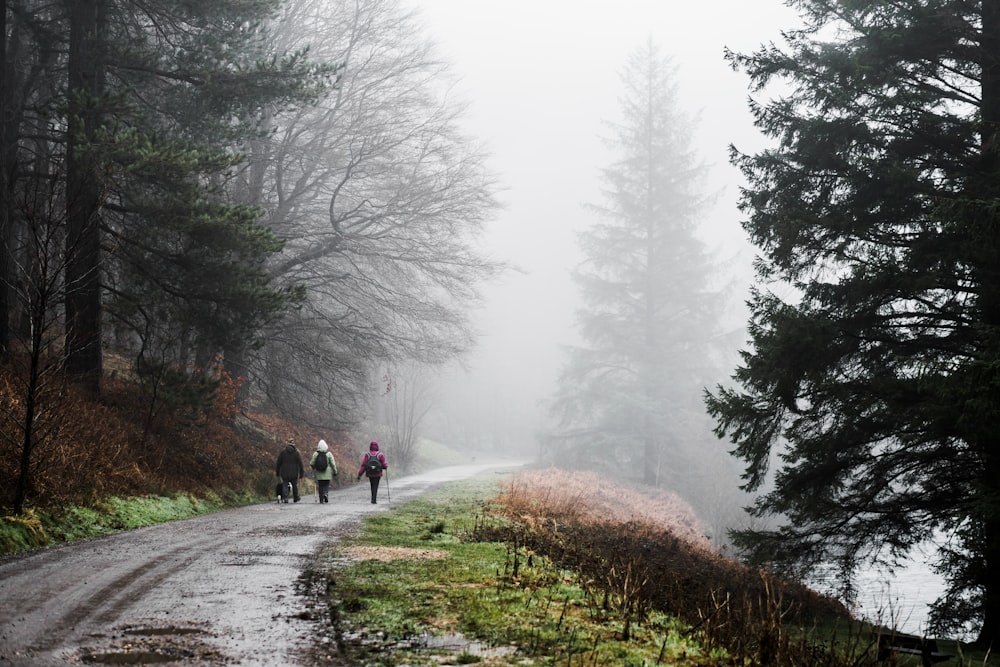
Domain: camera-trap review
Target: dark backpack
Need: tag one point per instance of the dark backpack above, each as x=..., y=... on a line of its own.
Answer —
x=321, y=462
x=373, y=466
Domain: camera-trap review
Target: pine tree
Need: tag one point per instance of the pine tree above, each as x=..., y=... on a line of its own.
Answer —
x=185, y=274
x=118, y=133
x=875, y=390
x=631, y=395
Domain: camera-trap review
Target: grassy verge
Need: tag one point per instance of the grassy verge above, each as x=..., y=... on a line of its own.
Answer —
x=530, y=579
x=414, y=589
x=47, y=525
x=39, y=528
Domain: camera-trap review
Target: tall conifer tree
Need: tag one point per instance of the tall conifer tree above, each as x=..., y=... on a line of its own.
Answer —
x=119, y=126
x=159, y=98
x=875, y=389
x=631, y=395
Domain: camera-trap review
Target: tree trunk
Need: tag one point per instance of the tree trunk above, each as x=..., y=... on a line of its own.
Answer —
x=8, y=154
x=986, y=231
x=651, y=452
x=83, y=191
x=234, y=361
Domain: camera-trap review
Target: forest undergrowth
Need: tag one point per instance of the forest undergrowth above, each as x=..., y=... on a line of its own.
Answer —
x=135, y=456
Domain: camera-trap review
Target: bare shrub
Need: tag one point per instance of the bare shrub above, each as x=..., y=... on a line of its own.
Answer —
x=579, y=495
x=641, y=553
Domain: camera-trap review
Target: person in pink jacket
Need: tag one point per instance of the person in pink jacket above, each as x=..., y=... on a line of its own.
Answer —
x=372, y=465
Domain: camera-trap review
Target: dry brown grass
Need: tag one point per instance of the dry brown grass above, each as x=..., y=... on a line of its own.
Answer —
x=588, y=497
x=639, y=551
x=386, y=554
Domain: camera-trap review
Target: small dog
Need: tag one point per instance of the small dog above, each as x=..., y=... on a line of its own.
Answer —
x=282, y=498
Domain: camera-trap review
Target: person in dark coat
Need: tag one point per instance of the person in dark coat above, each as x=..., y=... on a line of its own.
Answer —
x=373, y=477
x=290, y=469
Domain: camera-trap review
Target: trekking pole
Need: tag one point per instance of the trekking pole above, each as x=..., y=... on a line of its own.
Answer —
x=388, y=494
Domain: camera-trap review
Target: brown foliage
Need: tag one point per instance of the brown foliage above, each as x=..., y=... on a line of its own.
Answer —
x=124, y=444
x=585, y=496
x=640, y=552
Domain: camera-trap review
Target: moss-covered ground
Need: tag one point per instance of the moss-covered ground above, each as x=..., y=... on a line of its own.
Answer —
x=416, y=588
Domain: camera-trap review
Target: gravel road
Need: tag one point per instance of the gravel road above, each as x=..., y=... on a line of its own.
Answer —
x=229, y=588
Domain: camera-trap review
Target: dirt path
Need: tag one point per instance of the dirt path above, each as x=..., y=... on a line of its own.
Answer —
x=223, y=589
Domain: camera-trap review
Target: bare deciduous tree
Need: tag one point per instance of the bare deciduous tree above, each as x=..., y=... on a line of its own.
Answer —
x=378, y=197
x=37, y=286
x=410, y=394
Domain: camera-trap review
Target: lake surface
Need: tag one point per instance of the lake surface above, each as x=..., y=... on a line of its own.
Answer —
x=900, y=599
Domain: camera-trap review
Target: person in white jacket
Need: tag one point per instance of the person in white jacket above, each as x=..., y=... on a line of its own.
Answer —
x=325, y=468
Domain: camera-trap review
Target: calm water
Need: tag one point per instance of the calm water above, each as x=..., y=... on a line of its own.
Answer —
x=900, y=599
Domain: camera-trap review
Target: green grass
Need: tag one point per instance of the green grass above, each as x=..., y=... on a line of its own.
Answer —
x=540, y=615
x=38, y=528
x=387, y=612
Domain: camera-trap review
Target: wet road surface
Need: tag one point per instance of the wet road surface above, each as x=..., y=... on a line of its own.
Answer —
x=228, y=588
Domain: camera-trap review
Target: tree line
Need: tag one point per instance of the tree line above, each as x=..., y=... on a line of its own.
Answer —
x=278, y=191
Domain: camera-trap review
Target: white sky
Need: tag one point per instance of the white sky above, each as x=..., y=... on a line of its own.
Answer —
x=541, y=77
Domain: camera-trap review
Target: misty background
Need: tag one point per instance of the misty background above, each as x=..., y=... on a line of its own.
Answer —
x=541, y=80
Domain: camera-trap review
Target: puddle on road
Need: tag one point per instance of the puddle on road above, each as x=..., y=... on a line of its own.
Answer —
x=163, y=631
x=137, y=657
x=149, y=645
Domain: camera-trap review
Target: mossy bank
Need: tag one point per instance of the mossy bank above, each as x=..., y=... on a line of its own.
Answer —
x=417, y=587
x=44, y=527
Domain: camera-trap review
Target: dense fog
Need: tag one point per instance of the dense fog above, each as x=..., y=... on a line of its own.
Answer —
x=543, y=85
x=524, y=229
x=542, y=82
